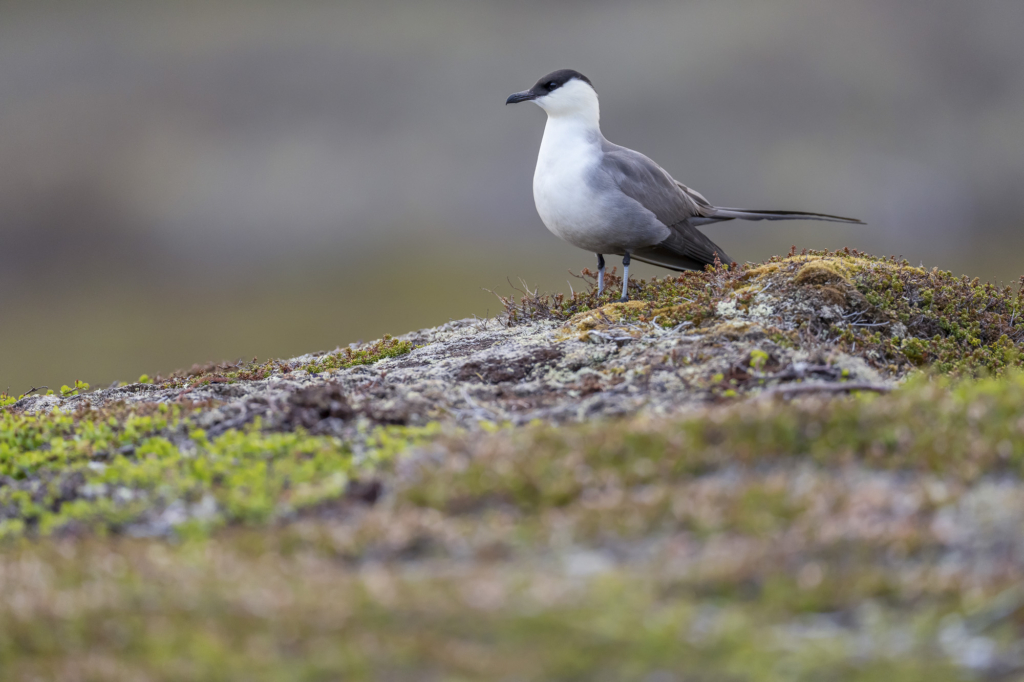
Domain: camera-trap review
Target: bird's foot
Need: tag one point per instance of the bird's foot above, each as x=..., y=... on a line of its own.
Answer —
x=624, y=299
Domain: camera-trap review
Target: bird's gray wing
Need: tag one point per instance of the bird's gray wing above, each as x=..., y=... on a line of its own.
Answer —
x=686, y=248
x=652, y=187
x=675, y=205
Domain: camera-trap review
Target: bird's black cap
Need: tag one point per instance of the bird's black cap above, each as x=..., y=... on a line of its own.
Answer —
x=548, y=84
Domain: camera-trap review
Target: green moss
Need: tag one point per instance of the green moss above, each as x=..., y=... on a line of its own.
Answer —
x=819, y=272
x=758, y=359
x=247, y=610
x=148, y=466
x=386, y=347
x=105, y=471
x=214, y=373
x=936, y=425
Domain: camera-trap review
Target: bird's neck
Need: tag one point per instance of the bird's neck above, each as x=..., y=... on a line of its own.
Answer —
x=570, y=130
x=585, y=118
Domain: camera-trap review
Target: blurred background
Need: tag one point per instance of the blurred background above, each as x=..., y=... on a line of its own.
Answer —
x=193, y=181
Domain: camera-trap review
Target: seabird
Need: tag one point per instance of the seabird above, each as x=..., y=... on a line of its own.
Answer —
x=605, y=198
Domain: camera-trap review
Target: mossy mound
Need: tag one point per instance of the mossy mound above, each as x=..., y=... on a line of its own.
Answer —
x=261, y=442
x=661, y=489
x=895, y=316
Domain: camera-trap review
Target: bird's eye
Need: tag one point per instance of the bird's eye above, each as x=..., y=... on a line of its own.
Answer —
x=551, y=85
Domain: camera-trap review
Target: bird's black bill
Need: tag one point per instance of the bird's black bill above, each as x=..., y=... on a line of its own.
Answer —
x=524, y=96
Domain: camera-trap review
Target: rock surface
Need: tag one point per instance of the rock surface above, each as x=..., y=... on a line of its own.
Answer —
x=467, y=371
x=829, y=322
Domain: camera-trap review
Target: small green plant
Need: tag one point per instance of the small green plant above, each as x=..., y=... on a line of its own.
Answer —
x=758, y=359
x=79, y=387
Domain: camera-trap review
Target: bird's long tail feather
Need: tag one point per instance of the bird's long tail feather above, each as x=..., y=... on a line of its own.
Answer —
x=745, y=214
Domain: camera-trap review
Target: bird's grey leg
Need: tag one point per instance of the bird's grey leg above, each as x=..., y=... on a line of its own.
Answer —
x=600, y=274
x=625, y=277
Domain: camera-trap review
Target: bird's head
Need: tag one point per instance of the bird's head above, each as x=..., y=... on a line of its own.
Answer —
x=561, y=93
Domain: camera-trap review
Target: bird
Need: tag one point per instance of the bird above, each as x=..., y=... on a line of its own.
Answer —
x=609, y=199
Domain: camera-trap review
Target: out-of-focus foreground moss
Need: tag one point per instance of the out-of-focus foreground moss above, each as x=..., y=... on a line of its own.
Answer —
x=232, y=610
x=604, y=551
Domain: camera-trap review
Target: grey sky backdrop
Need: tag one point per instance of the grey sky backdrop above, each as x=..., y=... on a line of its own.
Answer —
x=188, y=181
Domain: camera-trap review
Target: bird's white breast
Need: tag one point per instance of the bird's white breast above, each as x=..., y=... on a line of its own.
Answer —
x=567, y=203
